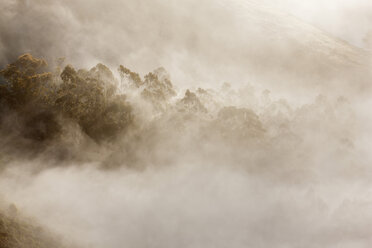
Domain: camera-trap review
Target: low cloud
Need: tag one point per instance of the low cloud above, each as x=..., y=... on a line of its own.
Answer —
x=174, y=125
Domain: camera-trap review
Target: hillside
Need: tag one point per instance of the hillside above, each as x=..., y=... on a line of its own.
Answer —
x=18, y=232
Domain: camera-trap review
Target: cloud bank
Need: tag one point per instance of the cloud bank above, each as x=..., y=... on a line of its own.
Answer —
x=188, y=124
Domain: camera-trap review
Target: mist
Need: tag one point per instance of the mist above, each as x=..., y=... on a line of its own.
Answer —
x=187, y=124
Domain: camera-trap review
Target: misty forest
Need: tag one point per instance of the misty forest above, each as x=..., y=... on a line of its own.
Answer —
x=199, y=124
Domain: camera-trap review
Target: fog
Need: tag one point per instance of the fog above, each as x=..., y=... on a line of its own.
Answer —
x=247, y=125
x=346, y=19
x=199, y=42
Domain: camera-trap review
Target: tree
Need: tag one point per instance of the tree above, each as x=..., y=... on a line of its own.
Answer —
x=25, y=82
x=88, y=97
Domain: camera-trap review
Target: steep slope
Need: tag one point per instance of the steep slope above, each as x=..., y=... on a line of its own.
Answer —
x=277, y=47
x=16, y=232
